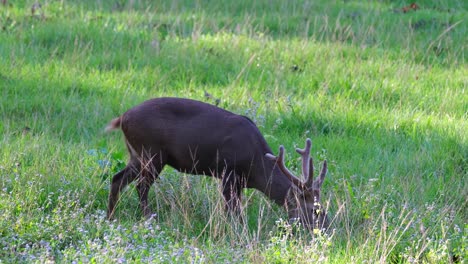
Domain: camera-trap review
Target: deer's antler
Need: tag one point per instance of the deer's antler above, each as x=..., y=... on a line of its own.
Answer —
x=280, y=162
x=307, y=167
x=307, y=163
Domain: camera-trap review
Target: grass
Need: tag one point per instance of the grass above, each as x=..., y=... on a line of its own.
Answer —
x=382, y=94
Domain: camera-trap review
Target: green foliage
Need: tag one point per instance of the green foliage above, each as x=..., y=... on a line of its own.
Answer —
x=381, y=92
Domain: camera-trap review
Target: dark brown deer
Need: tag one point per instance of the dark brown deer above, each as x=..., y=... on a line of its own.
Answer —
x=199, y=138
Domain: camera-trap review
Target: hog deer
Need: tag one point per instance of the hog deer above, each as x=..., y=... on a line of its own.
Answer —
x=198, y=138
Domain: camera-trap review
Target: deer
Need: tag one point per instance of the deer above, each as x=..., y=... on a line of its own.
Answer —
x=198, y=138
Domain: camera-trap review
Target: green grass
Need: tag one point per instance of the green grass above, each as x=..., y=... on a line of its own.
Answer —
x=382, y=94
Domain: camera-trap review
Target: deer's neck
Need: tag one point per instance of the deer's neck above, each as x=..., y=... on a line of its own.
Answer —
x=273, y=183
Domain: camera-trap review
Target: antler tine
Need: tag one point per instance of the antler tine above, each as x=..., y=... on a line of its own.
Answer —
x=321, y=177
x=307, y=172
x=280, y=162
x=310, y=181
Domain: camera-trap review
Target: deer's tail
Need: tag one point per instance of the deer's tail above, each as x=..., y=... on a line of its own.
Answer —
x=114, y=124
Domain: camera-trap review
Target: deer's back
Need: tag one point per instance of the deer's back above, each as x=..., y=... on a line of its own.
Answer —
x=193, y=136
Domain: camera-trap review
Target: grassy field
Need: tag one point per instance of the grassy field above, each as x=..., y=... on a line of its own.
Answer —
x=382, y=93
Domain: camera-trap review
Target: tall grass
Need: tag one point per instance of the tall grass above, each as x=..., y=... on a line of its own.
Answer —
x=381, y=93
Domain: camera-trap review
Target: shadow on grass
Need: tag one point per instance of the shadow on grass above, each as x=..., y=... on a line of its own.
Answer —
x=429, y=35
x=76, y=111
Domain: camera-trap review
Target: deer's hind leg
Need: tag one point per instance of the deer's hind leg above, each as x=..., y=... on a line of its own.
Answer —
x=119, y=182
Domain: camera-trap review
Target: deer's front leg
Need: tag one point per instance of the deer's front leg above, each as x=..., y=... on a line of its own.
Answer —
x=232, y=188
x=143, y=186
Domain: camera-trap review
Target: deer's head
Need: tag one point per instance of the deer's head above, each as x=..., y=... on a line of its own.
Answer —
x=303, y=198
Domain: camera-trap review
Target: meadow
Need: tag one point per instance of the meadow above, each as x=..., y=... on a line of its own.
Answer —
x=380, y=87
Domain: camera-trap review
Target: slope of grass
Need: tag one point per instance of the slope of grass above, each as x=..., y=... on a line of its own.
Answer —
x=382, y=94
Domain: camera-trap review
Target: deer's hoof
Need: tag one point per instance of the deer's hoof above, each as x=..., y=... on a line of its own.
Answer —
x=150, y=216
